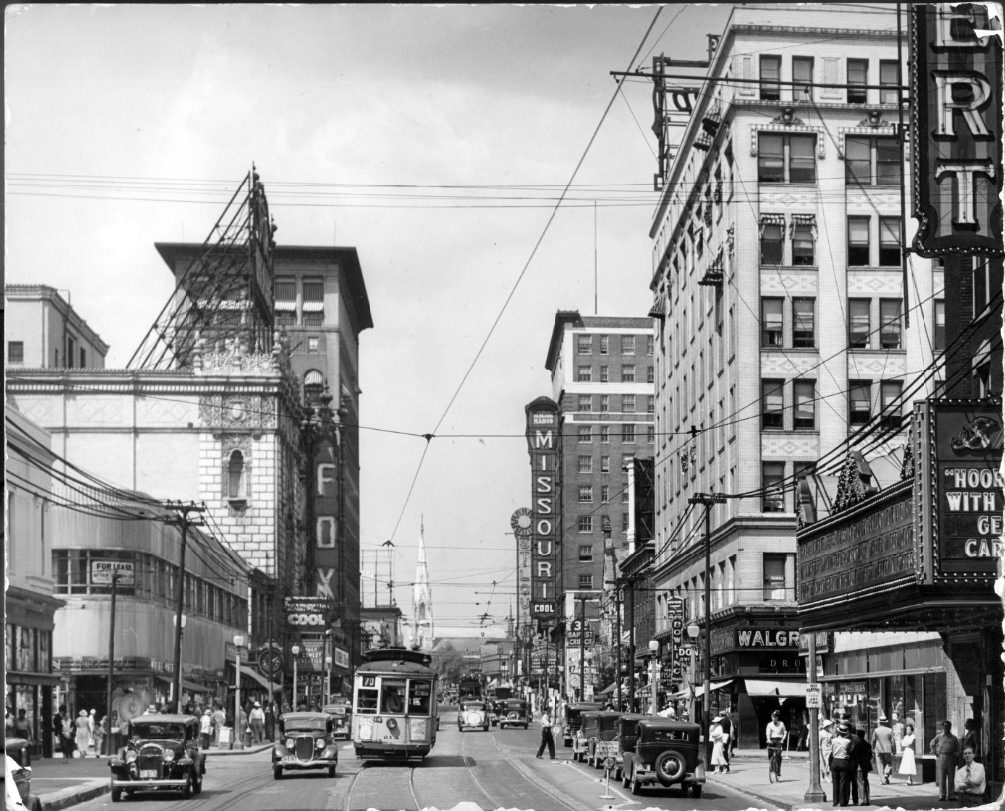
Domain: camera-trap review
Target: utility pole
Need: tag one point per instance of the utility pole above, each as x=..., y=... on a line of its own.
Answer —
x=182, y=520
x=631, y=645
x=707, y=499
x=111, y=666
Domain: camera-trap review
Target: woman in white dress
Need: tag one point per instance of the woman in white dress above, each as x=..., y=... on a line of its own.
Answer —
x=719, y=740
x=908, y=767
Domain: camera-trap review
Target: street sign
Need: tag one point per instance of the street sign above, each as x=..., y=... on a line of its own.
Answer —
x=102, y=571
x=575, y=639
x=813, y=697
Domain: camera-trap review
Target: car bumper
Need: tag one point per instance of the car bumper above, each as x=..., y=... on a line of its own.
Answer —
x=318, y=763
x=148, y=785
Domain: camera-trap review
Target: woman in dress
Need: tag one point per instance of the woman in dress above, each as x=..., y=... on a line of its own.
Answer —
x=908, y=768
x=83, y=732
x=719, y=741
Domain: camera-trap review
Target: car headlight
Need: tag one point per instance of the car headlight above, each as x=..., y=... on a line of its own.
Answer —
x=131, y=756
x=168, y=755
x=289, y=743
x=319, y=743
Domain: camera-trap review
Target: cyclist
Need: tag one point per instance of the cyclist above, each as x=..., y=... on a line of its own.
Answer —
x=776, y=734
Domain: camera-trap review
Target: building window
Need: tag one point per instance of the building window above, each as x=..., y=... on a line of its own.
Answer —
x=585, y=523
x=803, y=242
x=584, y=344
x=785, y=158
x=650, y=345
x=235, y=476
x=802, y=75
x=772, y=227
x=774, y=566
x=586, y=582
x=858, y=241
x=585, y=494
x=584, y=433
x=585, y=402
x=628, y=402
x=805, y=411
x=771, y=69
x=650, y=375
x=982, y=375
x=889, y=92
x=771, y=322
x=605, y=375
x=803, y=322
x=628, y=373
x=584, y=464
x=772, y=493
x=859, y=325
x=605, y=464
x=858, y=78
x=605, y=344
x=772, y=403
x=313, y=384
x=859, y=402
x=585, y=552
x=628, y=433
x=650, y=404
x=889, y=402
x=15, y=351
x=285, y=319
x=624, y=522
x=584, y=374
x=605, y=493
x=605, y=434
x=890, y=323
x=871, y=161
x=605, y=403
x=313, y=304
x=939, y=326
x=889, y=241
x=313, y=345
x=627, y=344
x=285, y=292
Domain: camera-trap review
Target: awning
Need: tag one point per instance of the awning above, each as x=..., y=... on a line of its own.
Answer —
x=610, y=688
x=699, y=690
x=191, y=686
x=260, y=679
x=761, y=688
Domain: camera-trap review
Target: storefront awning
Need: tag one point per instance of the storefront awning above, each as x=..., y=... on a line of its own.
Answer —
x=190, y=686
x=258, y=678
x=699, y=690
x=761, y=688
x=610, y=688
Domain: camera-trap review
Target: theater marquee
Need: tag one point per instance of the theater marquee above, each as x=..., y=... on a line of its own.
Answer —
x=956, y=94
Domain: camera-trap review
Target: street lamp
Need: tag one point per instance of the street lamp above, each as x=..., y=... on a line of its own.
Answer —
x=654, y=647
x=295, y=650
x=238, y=732
x=693, y=631
x=328, y=677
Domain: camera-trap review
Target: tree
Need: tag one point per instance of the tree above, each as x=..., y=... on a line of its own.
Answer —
x=449, y=663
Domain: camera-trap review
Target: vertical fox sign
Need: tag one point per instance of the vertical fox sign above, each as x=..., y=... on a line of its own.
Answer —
x=956, y=93
x=543, y=435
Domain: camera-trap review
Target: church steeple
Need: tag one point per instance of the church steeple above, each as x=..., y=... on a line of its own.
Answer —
x=422, y=599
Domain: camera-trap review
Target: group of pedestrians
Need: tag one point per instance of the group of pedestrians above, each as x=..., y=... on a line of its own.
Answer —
x=957, y=771
x=76, y=736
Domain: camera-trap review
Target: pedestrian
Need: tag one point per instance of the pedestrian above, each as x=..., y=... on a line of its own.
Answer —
x=863, y=758
x=219, y=722
x=882, y=745
x=241, y=727
x=841, y=764
x=717, y=736
x=825, y=748
x=22, y=726
x=727, y=730
x=100, y=733
x=776, y=734
x=205, y=728
x=547, y=739
x=908, y=767
x=945, y=746
x=256, y=720
x=270, y=720
x=8, y=725
x=970, y=780
x=971, y=738
x=91, y=723
x=83, y=724
x=898, y=733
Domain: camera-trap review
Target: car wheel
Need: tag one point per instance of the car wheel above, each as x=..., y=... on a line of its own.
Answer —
x=331, y=771
x=669, y=767
x=116, y=795
x=186, y=790
x=636, y=786
x=696, y=790
x=277, y=772
x=197, y=784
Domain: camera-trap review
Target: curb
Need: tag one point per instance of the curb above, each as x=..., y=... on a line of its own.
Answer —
x=68, y=797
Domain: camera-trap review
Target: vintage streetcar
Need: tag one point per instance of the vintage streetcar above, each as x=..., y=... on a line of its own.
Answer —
x=394, y=714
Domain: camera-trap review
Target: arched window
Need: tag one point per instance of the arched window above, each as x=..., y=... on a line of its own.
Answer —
x=313, y=384
x=235, y=475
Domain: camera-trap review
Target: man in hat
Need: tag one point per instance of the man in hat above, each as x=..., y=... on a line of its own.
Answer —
x=842, y=766
x=882, y=746
x=256, y=720
x=826, y=732
x=945, y=746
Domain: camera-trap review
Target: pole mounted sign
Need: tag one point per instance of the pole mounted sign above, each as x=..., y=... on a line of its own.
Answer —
x=956, y=94
x=543, y=445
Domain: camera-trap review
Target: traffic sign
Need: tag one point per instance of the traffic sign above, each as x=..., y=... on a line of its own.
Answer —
x=813, y=697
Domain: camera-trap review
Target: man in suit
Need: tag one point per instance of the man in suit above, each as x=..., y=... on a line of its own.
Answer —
x=945, y=746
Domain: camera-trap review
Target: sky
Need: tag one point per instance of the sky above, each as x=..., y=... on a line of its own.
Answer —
x=434, y=140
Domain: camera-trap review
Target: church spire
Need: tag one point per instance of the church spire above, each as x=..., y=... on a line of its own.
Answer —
x=422, y=599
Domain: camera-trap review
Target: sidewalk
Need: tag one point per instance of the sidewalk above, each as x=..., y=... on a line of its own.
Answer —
x=749, y=774
x=59, y=783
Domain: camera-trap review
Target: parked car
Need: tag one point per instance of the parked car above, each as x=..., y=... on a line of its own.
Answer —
x=17, y=786
x=627, y=734
x=571, y=720
x=306, y=741
x=587, y=730
x=162, y=754
x=473, y=715
x=515, y=712
x=606, y=729
x=667, y=752
x=341, y=712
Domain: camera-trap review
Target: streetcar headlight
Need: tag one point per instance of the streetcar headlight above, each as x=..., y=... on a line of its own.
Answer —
x=366, y=732
x=391, y=724
x=417, y=728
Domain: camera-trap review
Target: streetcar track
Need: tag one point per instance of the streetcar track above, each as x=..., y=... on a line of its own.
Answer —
x=352, y=785
x=527, y=775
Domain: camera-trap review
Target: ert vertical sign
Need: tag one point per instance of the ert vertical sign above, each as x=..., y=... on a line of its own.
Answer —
x=956, y=94
x=543, y=447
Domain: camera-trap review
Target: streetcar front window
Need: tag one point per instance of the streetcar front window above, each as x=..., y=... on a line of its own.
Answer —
x=392, y=697
x=418, y=697
x=366, y=700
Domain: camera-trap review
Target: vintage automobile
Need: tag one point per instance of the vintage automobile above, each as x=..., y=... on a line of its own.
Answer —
x=514, y=712
x=19, y=749
x=17, y=786
x=667, y=752
x=340, y=710
x=572, y=719
x=605, y=730
x=587, y=731
x=306, y=741
x=473, y=715
x=162, y=754
x=627, y=734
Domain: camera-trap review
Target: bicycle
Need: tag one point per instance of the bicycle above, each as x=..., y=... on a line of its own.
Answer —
x=775, y=760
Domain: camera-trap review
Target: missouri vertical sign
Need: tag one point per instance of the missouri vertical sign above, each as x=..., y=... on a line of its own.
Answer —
x=543, y=445
x=956, y=91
